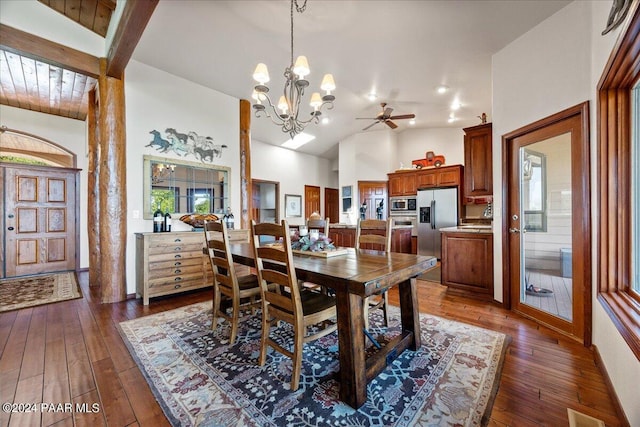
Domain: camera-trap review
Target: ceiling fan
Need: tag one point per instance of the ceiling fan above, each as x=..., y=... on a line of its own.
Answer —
x=386, y=117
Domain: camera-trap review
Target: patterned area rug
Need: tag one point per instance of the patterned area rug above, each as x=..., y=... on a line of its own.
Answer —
x=30, y=291
x=199, y=379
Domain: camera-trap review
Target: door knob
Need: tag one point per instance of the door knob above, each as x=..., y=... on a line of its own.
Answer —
x=514, y=230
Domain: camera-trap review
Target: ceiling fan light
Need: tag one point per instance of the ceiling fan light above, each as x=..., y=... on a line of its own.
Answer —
x=316, y=101
x=301, y=68
x=261, y=74
x=328, y=84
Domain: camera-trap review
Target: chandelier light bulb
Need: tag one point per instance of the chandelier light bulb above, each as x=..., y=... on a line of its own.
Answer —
x=261, y=74
x=301, y=68
x=316, y=101
x=282, y=104
x=328, y=84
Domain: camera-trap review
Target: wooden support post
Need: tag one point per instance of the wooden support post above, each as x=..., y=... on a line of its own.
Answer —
x=245, y=163
x=93, y=191
x=112, y=187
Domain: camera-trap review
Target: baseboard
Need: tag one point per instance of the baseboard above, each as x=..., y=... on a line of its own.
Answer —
x=612, y=391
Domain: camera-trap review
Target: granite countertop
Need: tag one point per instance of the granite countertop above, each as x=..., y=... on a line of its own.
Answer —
x=480, y=229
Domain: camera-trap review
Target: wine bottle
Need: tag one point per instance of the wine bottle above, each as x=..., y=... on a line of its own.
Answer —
x=228, y=219
x=157, y=221
x=167, y=222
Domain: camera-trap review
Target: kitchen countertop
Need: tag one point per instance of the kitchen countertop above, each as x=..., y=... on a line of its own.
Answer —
x=339, y=225
x=480, y=229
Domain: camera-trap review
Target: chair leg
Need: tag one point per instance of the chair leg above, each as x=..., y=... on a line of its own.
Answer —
x=266, y=324
x=297, y=356
x=365, y=312
x=385, y=297
x=216, y=307
x=235, y=319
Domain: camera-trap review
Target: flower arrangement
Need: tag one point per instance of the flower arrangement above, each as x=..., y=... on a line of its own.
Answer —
x=309, y=243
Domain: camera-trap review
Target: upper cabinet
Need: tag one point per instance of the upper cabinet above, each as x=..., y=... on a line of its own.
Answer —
x=402, y=184
x=478, y=169
x=444, y=176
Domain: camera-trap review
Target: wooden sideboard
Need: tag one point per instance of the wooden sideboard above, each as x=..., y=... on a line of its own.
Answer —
x=169, y=263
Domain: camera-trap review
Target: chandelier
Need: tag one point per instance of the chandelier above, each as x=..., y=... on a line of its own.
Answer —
x=286, y=113
x=161, y=172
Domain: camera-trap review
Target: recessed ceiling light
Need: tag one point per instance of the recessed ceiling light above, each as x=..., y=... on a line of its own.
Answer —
x=412, y=122
x=442, y=89
x=372, y=96
x=451, y=119
x=325, y=120
x=299, y=140
x=455, y=105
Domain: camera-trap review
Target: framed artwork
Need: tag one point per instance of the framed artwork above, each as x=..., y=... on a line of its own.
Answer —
x=346, y=191
x=292, y=205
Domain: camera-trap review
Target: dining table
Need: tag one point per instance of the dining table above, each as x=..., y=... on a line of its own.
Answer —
x=354, y=275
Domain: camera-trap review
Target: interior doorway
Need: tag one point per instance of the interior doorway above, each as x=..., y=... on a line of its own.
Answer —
x=265, y=201
x=546, y=224
x=372, y=199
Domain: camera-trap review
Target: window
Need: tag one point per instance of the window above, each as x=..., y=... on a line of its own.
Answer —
x=618, y=185
x=635, y=189
x=534, y=192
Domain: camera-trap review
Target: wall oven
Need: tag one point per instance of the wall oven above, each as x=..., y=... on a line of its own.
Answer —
x=402, y=204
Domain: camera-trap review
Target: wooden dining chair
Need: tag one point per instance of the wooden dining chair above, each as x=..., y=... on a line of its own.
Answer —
x=225, y=280
x=322, y=225
x=287, y=301
x=374, y=234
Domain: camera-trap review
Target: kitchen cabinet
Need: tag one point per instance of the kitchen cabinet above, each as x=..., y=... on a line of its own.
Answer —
x=402, y=183
x=346, y=237
x=467, y=262
x=478, y=169
x=445, y=176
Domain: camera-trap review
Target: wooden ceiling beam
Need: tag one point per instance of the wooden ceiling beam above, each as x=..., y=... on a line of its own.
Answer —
x=32, y=46
x=135, y=16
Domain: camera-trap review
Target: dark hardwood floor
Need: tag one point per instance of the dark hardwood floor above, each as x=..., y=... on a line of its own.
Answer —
x=71, y=352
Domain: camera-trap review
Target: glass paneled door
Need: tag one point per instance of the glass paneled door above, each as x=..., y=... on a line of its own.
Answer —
x=548, y=222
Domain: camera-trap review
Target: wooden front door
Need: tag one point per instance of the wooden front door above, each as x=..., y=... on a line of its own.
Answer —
x=311, y=200
x=372, y=194
x=40, y=219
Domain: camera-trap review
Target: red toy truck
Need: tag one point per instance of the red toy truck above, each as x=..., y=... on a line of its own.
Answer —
x=429, y=160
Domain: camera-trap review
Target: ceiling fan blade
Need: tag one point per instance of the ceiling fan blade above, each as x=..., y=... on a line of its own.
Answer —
x=391, y=124
x=372, y=124
x=403, y=116
x=387, y=112
x=366, y=118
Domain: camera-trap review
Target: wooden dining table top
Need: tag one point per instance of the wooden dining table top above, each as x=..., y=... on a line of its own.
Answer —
x=359, y=271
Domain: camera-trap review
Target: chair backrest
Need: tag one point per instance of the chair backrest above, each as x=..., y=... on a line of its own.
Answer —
x=321, y=225
x=217, y=240
x=374, y=232
x=274, y=265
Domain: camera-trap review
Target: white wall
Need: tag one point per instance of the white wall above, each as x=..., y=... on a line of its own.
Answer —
x=158, y=100
x=68, y=133
x=293, y=170
x=554, y=66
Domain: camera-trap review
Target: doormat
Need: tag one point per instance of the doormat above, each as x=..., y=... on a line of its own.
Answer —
x=31, y=291
x=200, y=379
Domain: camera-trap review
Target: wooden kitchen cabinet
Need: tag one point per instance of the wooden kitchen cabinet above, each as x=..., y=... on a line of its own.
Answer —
x=478, y=163
x=343, y=236
x=467, y=262
x=445, y=176
x=402, y=183
x=346, y=237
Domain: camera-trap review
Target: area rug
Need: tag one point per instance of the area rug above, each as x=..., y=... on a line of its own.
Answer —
x=199, y=379
x=30, y=291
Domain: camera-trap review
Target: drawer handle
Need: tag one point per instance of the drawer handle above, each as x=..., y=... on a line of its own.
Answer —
x=178, y=240
x=178, y=256
x=177, y=263
x=178, y=271
x=177, y=248
x=177, y=279
x=177, y=286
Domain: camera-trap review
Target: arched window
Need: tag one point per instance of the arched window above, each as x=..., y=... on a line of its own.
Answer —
x=22, y=147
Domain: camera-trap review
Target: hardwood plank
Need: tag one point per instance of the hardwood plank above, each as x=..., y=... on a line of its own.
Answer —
x=115, y=404
x=145, y=407
x=90, y=418
x=33, y=360
x=29, y=390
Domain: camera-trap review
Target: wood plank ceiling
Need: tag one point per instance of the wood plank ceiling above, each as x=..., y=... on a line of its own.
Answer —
x=31, y=84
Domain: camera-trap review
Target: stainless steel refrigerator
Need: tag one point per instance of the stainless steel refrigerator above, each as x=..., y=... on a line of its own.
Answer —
x=437, y=208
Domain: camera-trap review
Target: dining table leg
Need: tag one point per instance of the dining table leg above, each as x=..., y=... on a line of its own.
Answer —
x=353, y=378
x=409, y=311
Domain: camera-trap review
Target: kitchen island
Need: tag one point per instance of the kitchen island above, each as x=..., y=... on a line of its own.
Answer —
x=467, y=259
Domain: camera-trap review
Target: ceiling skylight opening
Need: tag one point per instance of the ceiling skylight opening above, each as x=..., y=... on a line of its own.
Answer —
x=442, y=89
x=299, y=140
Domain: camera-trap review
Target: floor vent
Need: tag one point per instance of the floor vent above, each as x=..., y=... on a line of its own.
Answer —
x=578, y=419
